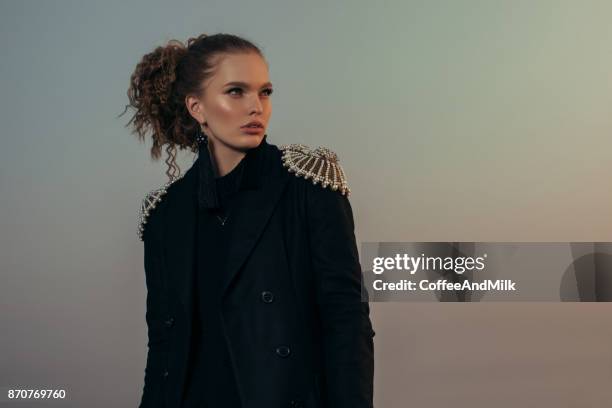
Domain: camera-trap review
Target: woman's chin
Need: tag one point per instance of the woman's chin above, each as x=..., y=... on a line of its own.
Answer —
x=250, y=141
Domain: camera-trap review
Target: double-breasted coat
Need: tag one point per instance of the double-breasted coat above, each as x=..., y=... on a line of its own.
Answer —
x=297, y=330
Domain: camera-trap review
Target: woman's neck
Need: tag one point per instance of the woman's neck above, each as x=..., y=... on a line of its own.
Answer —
x=224, y=158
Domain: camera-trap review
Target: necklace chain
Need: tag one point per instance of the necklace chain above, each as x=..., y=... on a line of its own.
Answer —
x=222, y=219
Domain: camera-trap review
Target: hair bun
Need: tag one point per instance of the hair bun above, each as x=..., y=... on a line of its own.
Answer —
x=152, y=80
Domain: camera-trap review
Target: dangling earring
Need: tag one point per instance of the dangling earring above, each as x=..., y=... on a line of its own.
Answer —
x=201, y=137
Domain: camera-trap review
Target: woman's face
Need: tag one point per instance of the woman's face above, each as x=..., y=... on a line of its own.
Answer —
x=237, y=93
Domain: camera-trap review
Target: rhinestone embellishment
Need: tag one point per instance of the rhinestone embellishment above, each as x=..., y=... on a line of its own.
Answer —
x=320, y=165
x=149, y=203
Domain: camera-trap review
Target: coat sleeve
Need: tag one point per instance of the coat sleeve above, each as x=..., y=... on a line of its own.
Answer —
x=347, y=334
x=152, y=395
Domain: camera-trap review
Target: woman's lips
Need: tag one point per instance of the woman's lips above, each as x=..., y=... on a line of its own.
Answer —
x=252, y=130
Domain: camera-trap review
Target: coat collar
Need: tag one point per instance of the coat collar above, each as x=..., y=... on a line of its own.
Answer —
x=252, y=168
x=263, y=182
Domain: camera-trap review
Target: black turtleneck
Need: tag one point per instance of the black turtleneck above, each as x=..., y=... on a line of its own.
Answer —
x=211, y=382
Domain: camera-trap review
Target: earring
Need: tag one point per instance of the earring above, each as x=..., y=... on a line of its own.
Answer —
x=201, y=136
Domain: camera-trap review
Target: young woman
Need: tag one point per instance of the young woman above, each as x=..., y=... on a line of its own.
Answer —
x=254, y=287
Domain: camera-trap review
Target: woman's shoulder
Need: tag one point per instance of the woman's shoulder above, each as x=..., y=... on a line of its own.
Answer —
x=321, y=166
x=321, y=184
x=150, y=204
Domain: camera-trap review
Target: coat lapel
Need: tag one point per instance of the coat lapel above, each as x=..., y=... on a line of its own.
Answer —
x=250, y=218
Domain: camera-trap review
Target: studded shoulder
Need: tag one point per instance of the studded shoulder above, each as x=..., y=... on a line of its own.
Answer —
x=150, y=202
x=320, y=165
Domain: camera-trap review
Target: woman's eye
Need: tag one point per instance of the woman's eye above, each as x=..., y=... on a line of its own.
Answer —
x=239, y=91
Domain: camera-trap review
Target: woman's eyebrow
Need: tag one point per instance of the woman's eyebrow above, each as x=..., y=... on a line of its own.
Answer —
x=245, y=85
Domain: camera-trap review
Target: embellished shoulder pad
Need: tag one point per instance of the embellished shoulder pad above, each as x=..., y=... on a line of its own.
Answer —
x=321, y=165
x=149, y=203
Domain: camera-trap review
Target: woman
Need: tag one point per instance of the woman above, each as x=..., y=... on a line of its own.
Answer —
x=252, y=272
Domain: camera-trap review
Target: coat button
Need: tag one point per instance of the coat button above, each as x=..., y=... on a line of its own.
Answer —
x=169, y=322
x=166, y=373
x=295, y=404
x=283, y=351
x=267, y=297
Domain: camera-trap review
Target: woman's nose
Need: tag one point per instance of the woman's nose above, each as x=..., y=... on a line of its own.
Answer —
x=256, y=105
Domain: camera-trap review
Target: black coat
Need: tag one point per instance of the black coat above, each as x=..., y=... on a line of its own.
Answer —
x=299, y=334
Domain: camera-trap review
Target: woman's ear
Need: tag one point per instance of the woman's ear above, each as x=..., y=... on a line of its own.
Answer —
x=194, y=107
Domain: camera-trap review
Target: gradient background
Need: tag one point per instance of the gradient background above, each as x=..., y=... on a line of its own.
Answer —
x=455, y=120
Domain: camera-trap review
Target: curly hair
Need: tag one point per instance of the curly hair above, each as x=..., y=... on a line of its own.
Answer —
x=161, y=81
